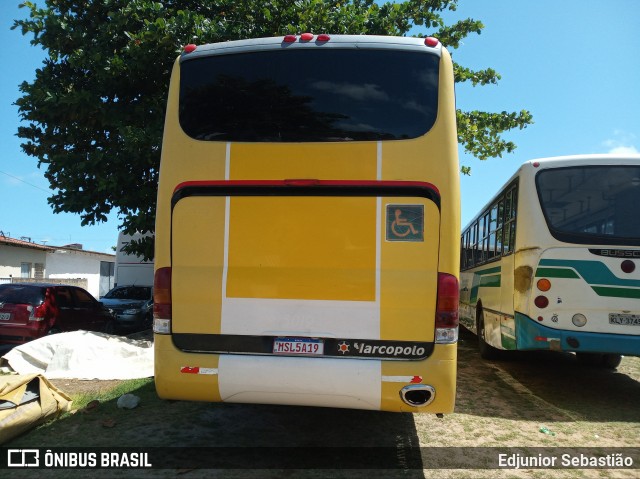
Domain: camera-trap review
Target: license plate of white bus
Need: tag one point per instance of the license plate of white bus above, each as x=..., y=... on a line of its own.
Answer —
x=5, y=316
x=624, y=319
x=298, y=346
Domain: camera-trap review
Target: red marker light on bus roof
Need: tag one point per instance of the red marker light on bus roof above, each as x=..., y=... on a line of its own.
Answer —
x=431, y=42
x=536, y=164
x=306, y=37
x=323, y=37
x=289, y=38
x=190, y=48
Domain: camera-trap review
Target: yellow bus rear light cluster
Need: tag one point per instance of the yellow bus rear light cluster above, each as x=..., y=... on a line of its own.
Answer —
x=447, y=318
x=161, y=326
x=162, y=308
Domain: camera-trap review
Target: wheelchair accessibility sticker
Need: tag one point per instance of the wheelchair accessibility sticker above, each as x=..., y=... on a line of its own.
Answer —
x=405, y=223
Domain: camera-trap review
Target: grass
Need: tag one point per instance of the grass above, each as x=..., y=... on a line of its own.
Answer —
x=91, y=414
x=81, y=400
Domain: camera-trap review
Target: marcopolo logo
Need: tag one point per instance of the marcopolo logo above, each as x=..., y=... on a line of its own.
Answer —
x=390, y=349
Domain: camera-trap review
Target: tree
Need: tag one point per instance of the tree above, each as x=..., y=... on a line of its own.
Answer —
x=95, y=111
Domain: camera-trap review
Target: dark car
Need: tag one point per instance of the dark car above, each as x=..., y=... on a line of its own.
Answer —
x=32, y=310
x=132, y=306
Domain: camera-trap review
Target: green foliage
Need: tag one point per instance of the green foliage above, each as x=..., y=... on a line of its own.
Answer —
x=94, y=114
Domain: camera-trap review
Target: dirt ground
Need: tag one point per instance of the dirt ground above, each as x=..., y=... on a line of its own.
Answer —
x=80, y=386
x=500, y=404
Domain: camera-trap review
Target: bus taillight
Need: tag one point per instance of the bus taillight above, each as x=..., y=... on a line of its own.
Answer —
x=543, y=284
x=541, y=302
x=162, y=301
x=628, y=266
x=447, y=309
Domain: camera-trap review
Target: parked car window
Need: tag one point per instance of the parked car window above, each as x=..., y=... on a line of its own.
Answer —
x=82, y=298
x=63, y=298
x=20, y=294
x=130, y=292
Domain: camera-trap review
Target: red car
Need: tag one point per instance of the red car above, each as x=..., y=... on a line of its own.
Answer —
x=32, y=310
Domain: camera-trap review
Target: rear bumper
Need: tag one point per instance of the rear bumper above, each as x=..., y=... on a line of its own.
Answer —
x=531, y=335
x=20, y=334
x=321, y=382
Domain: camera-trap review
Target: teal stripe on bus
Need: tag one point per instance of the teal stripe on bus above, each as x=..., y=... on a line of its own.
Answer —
x=556, y=273
x=599, y=277
x=486, y=278
x=496, y=269
x=617, y=292
x=593, y=272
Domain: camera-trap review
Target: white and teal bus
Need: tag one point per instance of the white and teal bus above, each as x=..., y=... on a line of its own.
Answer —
x=552, y=262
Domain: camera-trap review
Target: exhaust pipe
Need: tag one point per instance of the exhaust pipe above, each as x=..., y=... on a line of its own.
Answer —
x=417, y=395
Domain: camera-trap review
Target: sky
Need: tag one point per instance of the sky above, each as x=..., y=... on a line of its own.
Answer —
x=574, y=64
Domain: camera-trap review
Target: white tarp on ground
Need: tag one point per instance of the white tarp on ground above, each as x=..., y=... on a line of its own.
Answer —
x=84, y=355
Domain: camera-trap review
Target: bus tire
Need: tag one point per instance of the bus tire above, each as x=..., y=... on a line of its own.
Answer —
x=486, y=350
x=590, y=359
x=611, y=361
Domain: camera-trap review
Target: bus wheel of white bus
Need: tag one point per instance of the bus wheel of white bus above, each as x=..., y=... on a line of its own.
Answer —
x=611, y=361
x=589, y=359
x=486, y=350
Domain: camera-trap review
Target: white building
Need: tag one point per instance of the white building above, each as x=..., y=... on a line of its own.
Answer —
x=21, y=259
x=24, y=261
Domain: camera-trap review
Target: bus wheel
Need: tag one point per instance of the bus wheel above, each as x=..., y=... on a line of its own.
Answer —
x=611, y=361
x=486, y=350
x=590, y=359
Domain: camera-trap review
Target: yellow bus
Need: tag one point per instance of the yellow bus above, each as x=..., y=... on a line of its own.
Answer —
x=307, y=223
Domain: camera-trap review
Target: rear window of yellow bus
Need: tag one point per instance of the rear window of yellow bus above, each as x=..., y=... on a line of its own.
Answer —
x=307, y=95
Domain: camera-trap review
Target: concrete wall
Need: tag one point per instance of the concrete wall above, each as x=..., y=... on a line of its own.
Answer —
x=69, y=263
x=80, y=282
